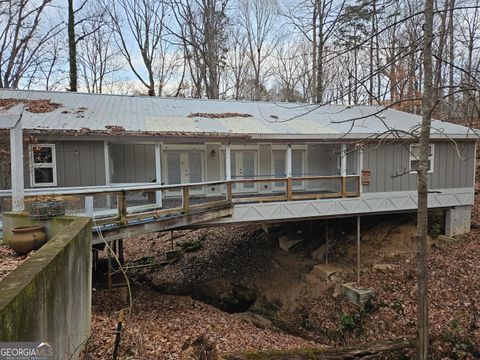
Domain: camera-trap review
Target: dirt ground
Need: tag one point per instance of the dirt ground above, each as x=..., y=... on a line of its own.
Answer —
x=270, y=300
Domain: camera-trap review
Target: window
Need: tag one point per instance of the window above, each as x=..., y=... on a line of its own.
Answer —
x=414, y=154
x=43, y=169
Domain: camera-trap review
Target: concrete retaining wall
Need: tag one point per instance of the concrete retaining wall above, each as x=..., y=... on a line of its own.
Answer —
x=48, y=297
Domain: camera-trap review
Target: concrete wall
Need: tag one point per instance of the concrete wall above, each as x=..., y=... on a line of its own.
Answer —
x=48, y=297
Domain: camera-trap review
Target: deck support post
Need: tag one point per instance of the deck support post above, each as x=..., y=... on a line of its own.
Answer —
x=358, y=251
x=326, y=242
x=16, y=160
x=89, y=205
x=158, y=173
x=106, y=155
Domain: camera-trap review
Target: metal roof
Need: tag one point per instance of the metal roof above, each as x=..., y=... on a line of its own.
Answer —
x=97, y=113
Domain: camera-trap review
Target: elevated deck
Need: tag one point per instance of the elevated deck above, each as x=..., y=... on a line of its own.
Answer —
x=119, y=213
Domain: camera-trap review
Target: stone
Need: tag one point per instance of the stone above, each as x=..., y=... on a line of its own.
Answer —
x=325, y=272
x=319, y=253
x=286, y=243
x=357, y=295
x=337, y=290
x=258, y=320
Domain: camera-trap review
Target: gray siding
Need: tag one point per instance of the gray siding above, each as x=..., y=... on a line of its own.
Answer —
x=132, y=163
x=79, y=163
x=389, y=164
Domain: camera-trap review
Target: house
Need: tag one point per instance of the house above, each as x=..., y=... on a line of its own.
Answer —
x=280, y=162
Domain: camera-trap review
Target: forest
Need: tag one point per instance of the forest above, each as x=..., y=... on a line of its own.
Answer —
x=366, y=52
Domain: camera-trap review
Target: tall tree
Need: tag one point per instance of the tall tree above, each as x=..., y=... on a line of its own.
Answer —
x=422, y=186
x=203, y=32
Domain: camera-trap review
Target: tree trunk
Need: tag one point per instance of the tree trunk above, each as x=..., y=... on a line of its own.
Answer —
x=72, y=47
x=422, y=213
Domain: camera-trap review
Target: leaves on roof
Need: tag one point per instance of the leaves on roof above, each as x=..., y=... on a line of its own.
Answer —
x=219, y=115
x=33, y=106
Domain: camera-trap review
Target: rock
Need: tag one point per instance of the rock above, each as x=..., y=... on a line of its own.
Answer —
x=286, y=243
x=325, y=272
x=337, y=290
x=319, y=254
x=258, y=320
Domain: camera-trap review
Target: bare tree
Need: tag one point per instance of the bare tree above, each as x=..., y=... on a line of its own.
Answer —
x=203, y=31
x=143, y=21
x=23, y=33
x=259, y=22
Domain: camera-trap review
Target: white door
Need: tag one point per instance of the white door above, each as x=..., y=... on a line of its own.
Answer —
x=184, y=167
x=243, y=165
x=279, y=167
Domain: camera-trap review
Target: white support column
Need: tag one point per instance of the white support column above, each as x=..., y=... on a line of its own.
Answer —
x=228, y=162
x=343, y=160
x=89, y=205
x=158, y=172
x=360, y=167
x=288, y=166
x=106, y=155
x=16, y=159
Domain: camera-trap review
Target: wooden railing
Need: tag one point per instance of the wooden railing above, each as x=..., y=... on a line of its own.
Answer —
x=193, y=201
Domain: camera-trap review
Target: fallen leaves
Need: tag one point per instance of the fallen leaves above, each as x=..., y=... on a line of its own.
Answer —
x=9, y=260
x=33, y=106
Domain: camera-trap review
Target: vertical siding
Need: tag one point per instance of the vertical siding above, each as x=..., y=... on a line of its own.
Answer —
x=133, y=163
x=213, y=162
x=389, y=161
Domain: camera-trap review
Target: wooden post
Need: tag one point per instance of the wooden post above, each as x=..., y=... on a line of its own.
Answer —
x=158, y=173
x=16, y=159
x=358, y=251
x=186, y=199
x=326, y=242
x=289, y=189
x=229, y=193
x=122, y=208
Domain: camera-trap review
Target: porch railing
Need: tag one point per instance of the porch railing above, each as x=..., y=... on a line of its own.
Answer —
x=183, y=199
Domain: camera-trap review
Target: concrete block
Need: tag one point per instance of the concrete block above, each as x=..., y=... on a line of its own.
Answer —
x=357, y=295
x=457, y=220
x=286, y=243
x=319, y=253
x=325, y=272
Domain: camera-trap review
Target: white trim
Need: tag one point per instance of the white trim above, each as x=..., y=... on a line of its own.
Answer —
x=184, y=147
x=158, y=172
x=228, y=162
x=34, y=166
x=108, y=169
x=431, y=158
x=343, y=160
x=16, y=167
x=288, y=161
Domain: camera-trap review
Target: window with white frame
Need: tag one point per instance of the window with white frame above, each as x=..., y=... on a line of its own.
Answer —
x=43, y=168
x=415, y=154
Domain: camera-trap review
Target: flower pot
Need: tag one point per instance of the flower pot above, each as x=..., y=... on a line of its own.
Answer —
x=27, y=238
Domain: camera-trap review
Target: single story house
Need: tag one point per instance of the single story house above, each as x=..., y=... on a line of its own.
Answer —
x=286, y=161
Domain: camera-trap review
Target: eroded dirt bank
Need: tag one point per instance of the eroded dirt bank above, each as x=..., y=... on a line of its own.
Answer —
x=262, y=297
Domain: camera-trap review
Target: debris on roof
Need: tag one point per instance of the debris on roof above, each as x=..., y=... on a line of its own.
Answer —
x=33, y=106
x=220, y=115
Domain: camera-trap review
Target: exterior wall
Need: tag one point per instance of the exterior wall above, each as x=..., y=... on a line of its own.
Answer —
x=79, y=163
x=48, y=297
x=389, y=161
x=132, y=163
